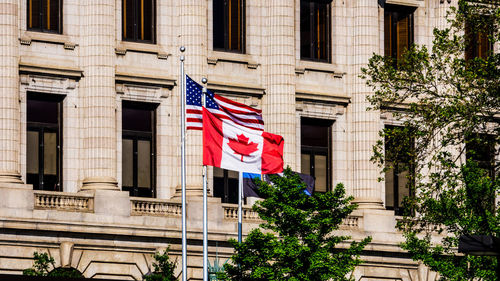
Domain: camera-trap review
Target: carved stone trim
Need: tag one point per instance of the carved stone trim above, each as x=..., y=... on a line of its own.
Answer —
x=155, y=207
x=64, y=201
x=231, y=213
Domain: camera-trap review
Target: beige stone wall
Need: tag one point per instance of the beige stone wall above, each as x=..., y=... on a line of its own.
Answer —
x=101, y=231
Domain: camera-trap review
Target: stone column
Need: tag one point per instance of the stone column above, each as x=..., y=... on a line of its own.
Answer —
x=98, y=93
x=193, y=31
x=9, y=93
x=365, y=124
x=279, y=74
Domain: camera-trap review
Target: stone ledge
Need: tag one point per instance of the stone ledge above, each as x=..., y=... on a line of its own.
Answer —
x=236, y=88
x=123, y=47
x=52, y=70
x=45, y=37
x=216, y=56
x=302, y=66
x=414, y=3
x=322, y=98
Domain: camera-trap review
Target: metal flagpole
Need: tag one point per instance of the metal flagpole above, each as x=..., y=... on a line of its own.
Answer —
x=205, y=213
x=183, y=164
x=240, y=196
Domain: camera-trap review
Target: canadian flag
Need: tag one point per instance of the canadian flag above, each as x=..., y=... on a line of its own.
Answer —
x=234, y=147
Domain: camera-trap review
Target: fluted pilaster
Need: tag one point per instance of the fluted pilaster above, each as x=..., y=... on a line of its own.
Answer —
x=365, y=124
x=99, y=95
x=193, y=28
x=9, y=93
x=279, y=101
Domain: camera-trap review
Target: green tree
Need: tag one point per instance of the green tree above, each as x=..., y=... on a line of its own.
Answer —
x=298, y=242
x=450, y=101
x=44, y=265
x=163, y=268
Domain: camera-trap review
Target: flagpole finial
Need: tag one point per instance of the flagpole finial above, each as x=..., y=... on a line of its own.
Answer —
x=204, y=80
x=182, y=49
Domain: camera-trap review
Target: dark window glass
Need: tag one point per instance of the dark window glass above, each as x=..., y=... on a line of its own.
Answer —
x=398, y=30
x=138, y=148
x=45, y=15
x=315, y=30
x=226, y=185
x=477, y=42
x=481, y=149
x=44, y=142
x=399, y=167
x=315, y=151
x=138, y=20
x=229, y=23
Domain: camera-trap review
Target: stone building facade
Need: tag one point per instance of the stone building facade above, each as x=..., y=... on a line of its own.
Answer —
x=82, y=60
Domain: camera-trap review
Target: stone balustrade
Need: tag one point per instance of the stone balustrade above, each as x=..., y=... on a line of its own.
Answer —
x=64, y=201
x=155, y=207
x=231, y=212
x=350, y=222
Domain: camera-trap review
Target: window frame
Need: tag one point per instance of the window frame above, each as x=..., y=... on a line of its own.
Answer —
x=312, y=151
x=137, y=136
x=41, y=128
x=227, y=26
x=43, y=16
x=472, y=37
x=225, y=196
x=392, y=10
x=136, y=37
x=398, y=210
x=313, y=43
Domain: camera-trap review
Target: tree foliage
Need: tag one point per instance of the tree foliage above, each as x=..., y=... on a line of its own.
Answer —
x=298, y=242
x=163, y=268
x=44, y=265
x=451, y=105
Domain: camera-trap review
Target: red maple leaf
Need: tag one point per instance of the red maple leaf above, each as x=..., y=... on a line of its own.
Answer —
x=241, y=146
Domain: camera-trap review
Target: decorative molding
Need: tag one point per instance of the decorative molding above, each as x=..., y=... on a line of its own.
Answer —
x=231, y=213
x=144, y=79
x=50, y=70
x=123, y=47
x=322, y=98
x=351, y=222
x=64, y=201
x=215, y=57
x=246, y=89
x=44, y=37
x=303, y=66
x=155, y=207
x=47, y=84
x=414, y=3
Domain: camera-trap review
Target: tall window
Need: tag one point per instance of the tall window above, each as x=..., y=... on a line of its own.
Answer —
x=315, y=30
x=399, y=167
x=226, y=185
x=481, y=149
x=138, y=19
x=44, y=142
x=315, y=137
x=45, y=15
x=477, y=42
x=229, y=25
x=398, y=30
x=138, y=148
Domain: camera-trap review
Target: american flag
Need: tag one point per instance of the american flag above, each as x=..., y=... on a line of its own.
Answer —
x=221, y=107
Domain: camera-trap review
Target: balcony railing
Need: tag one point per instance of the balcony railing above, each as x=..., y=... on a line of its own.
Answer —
x=64, y=201
x=155, y=207
x=231, y=212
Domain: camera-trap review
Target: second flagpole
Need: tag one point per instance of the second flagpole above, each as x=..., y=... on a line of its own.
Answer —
x=205, y=213
x=183, y=165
